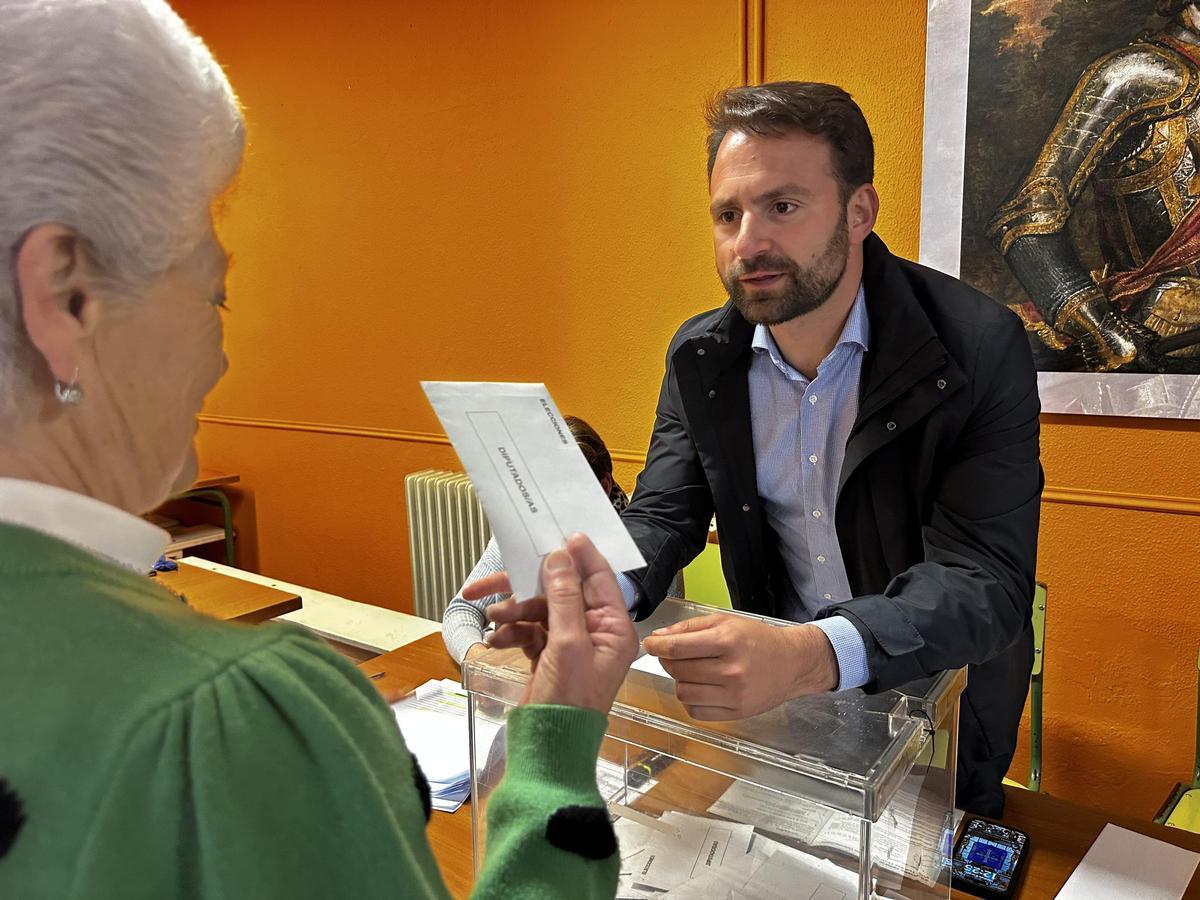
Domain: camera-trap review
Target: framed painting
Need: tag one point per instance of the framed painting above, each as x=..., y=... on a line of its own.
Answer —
x=1061, y=177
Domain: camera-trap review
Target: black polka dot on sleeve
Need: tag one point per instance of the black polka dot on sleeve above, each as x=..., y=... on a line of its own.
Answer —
x=12, y=817
x=582, y=830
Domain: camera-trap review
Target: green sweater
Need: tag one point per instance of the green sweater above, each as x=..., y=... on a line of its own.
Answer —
x=158, y=753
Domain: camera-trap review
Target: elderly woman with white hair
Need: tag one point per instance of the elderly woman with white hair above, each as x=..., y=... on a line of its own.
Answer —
x=146, y=751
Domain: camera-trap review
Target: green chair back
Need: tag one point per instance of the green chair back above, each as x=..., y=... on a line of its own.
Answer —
x=1035, y=687
x=1039, y=628
x=1035, y=692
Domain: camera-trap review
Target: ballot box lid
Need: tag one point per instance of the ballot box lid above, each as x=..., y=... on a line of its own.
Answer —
x=848, y=750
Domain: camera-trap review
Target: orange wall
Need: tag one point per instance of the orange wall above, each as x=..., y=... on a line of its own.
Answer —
x=448, y=191
x=460, y=190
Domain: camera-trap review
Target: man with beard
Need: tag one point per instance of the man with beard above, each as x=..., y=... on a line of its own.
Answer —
x=866, y=432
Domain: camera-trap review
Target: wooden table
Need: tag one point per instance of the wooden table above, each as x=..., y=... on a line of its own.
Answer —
x=225, y=597
x=1060, y=832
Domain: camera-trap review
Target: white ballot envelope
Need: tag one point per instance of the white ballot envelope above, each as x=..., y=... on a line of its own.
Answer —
x=530, y=476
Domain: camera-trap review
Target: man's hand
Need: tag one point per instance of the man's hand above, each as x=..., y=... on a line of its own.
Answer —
x=729, y=667
x=578, y=637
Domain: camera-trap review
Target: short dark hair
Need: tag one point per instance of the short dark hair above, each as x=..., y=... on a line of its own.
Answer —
x=822, y=110
x=594, y=450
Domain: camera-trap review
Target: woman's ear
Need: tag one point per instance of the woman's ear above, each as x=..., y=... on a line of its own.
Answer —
x=57, y=300
x=607, y=483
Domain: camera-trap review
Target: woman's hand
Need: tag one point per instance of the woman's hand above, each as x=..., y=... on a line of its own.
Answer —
x=578, y=637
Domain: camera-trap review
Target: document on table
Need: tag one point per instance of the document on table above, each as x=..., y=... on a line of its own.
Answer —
x=530, y=476
x=686, y=857
x=686, y=847
x=434, y=724
x=902, y=841
x=1122, y=863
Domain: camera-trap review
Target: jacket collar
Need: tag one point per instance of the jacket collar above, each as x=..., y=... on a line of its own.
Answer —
x=894, y=311
x=728, y=338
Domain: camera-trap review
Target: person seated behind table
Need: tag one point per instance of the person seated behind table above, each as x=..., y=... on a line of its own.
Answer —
x=465, y=621
x=150, y=751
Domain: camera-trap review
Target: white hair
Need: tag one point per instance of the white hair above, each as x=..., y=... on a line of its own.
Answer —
x=116, y=122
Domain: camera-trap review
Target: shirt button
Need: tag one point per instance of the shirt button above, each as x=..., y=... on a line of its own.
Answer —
x=828, y=596
x=813, y=399
x=711, y=394
x=816, y=514
x=891, y=426
x=813, y=458
x=745, y=507
x=941, y=384
x=820, y=559
x=700, y=352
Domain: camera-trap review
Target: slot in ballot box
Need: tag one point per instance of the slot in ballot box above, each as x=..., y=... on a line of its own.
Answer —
x=842, y=795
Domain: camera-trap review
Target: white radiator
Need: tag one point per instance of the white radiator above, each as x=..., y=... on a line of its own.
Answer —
x=447, y=532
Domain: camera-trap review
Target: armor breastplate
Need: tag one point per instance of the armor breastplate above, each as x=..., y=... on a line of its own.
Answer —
x=1130, y=130
x=1144, y=187
x=1117, y=119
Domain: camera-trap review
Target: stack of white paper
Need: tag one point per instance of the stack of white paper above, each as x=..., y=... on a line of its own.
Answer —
x=902, y=841
x=686, y=857
x=434, y=725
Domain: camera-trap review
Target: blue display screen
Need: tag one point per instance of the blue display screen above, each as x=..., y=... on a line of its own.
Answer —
x=985, y=853
x=988, y=855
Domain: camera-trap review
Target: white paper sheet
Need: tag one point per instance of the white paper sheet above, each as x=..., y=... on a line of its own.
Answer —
x=530, y=476
x=435, y=729
x=708, y=859
x=789, y=875
x=651, y=664
x=1123, y=864
x=902, y=841
x=772, y=811
x=662, y=860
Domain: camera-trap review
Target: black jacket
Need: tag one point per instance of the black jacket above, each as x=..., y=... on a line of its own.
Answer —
x=937, y=508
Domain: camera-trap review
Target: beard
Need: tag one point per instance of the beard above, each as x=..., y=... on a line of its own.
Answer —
x=804, y=288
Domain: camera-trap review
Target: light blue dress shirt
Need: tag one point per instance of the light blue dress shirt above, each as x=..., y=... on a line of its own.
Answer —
x=800, y=431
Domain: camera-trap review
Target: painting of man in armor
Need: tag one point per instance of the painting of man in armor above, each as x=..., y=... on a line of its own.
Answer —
x=1081, y=178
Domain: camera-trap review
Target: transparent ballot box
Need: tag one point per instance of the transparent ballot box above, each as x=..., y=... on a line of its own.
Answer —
x=842, y=795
